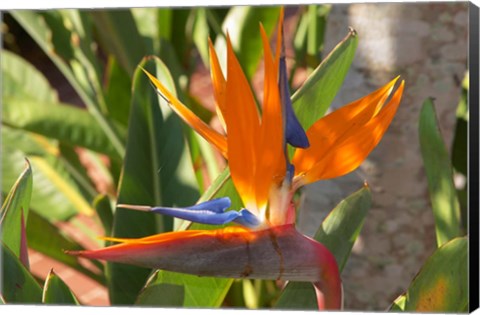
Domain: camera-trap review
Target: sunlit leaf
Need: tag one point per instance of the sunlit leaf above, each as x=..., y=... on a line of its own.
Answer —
x=313, y=98
x=56, y=195
x=240, y=23
x=399, y=304
x=14, y=215
x=55, y=291
x=65, y=37
x=200, y=33
x=438, y=169
x=63, y=122
x=21, y=79
x=442, y=283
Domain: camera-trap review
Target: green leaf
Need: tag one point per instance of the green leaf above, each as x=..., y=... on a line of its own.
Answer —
x=18, y=284
x=442, y=283
x=63, y=122
x=55, y=291
x=56, y=195
x=317, y=22
x=399, y=304
x=77, y=170
x=105, y=213
x=240, y=23
x=119, y=36
x=338, y=233
x=157, y=171
x=65, y=37
x=191, y=291
x=118, y=92
x=200, y=34
x=162, y=295
x=313, y=98
x=14, y=214
x=438, y=168
x=21, y=79
x=44, y=237
x=342, y=226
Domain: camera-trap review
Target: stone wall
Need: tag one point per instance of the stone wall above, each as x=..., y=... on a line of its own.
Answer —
x=425, y=43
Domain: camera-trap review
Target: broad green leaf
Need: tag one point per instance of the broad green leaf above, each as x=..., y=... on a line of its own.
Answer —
x=338, y=233
x=438, y=168
x=55, y=291
x=442, y=283
x=65, y=37
x=242, y=25
x=18, y=284
x=118, y=92
x=162, y=295
x=56, y=195
x=157, y=171
x=14, y=214
x=44, y=237
x=342, y=226
x=21, y=79
x=63, y=122
x=119, y=36
x=191, y=291
x=312, y=99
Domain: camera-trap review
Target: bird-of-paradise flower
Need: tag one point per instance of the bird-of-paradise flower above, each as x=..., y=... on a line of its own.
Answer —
x=266, y=245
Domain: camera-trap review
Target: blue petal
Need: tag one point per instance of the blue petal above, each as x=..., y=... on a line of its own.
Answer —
x=294, y=133
x=246, y=218
x=211, y=212
x=218, y=205
x=200, y=216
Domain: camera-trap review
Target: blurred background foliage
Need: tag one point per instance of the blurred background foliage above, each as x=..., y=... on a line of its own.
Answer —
x=77, y=107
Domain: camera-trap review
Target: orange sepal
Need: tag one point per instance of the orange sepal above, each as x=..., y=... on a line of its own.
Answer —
x=212, y=136
x=327, y=131
x=350, y=149
x=271, y=164
x=243, y=123
x=218, y=82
